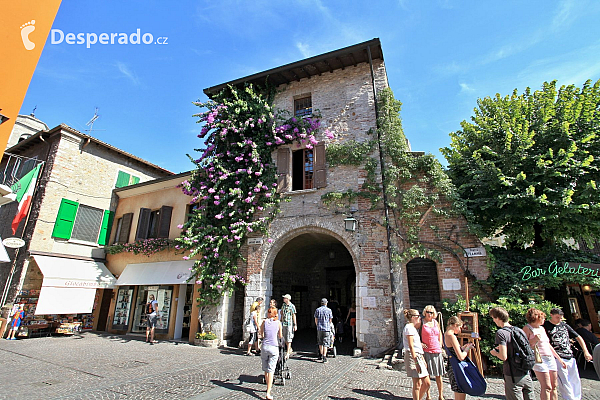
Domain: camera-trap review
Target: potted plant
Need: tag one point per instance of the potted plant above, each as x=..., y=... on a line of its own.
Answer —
x=206, y=339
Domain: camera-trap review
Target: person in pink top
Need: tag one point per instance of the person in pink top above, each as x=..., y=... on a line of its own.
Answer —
x=431, y=337
x=546, y=370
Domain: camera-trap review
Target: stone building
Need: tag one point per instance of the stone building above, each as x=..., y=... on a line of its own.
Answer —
x=312, y=253
x=69, y=220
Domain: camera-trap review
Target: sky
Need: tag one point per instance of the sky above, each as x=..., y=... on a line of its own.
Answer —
x=440, y=55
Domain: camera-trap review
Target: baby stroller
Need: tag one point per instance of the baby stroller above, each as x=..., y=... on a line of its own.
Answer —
x=282, y=371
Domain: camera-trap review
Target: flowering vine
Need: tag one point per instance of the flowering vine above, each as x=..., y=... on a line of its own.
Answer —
x=234, y=184
x=145, y=246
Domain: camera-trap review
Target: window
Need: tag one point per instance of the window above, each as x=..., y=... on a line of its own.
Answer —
x=87, y=224
x=302, y=169
x=80, y=222
x=154, y=224
x=123, y=228
x=125, y=179
x=307, y=168
x=303, y=106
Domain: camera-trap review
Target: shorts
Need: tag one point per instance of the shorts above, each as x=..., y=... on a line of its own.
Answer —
x=411, y=365
x=288, y=333
x=152, y=319
x=269, y=356
x=253, y=338
x=324, y=338
x=548, y=364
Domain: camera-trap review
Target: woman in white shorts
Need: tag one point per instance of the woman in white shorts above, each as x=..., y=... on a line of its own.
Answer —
x=414, y=361
x=546, y=370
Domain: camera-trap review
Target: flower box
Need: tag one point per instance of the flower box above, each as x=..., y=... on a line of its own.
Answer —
x=206, y=342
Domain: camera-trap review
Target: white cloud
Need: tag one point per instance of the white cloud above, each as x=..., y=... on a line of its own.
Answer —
x=563, y=15
x=465, y=88
x=124, y=69
x=304, y=49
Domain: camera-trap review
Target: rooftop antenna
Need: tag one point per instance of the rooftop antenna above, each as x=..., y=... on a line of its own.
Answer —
x=90, y=123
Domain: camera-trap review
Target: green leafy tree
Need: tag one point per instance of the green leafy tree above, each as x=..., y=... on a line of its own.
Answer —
x=526, y=165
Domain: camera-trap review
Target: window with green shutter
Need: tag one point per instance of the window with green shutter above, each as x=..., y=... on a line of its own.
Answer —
x=65, y=219
x=123, y=179
x=135, y=180
x=105, y=228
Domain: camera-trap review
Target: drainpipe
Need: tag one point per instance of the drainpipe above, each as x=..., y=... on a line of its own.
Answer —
x=385, y=202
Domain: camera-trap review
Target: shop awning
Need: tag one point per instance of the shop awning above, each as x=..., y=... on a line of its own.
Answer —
x=69, y=285
x=157, y=273
x=72, y=273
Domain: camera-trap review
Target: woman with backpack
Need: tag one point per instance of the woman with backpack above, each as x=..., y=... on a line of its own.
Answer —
x=431, y=337
x=456, y=350
x=546, y=370
x=252, y=329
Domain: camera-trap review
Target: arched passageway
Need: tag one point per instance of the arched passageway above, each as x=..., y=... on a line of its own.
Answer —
x=309, y=267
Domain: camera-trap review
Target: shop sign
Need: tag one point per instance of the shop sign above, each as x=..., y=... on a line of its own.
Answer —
x=475, y=252
x=254, y=241
x=591, y=270
x=13, y=242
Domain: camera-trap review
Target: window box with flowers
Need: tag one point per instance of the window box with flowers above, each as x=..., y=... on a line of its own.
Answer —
x=206, y=339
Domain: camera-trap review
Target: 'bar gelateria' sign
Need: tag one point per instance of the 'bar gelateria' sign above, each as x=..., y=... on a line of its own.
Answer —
x=591, y=270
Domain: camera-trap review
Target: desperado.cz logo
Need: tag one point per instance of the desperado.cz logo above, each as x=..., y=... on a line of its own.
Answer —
x=57, y=36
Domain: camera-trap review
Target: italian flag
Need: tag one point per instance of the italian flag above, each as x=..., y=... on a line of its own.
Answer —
x=24, y=187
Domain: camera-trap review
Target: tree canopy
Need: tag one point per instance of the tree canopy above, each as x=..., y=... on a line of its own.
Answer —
x=527, y=165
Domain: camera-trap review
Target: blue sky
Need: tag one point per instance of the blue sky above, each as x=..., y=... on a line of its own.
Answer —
x=441, y=56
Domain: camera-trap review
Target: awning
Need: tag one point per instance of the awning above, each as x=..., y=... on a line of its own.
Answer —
x=157, y=273
x=3, y=254
x=72, y=273
x=69, y=285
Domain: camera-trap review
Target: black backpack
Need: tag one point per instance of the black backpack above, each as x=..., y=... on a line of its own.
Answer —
x=520, y=356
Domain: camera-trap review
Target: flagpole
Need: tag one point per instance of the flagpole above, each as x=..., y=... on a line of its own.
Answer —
x=14, y=264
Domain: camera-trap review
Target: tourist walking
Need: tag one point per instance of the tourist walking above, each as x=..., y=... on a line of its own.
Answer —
x=151, y=318
x=15, y=323
x=414, y=361
x=352, y=317
x=456, y=350
x=252, y=328
x=323, y=320
x=559, y=333
x=545, y=371
x=288, y=322
x=270, y=332
x=517, y=385
x=431, y=338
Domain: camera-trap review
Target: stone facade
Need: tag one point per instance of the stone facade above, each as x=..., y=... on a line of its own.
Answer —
x=303, y=236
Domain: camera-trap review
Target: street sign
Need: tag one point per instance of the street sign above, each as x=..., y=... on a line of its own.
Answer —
x=254, y=241
x=475, y=252
x=13, y=242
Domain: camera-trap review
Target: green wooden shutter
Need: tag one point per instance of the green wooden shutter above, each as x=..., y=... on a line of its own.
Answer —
x=105, y=228
x=122, y=179
x=65, y=219
x=135, y=180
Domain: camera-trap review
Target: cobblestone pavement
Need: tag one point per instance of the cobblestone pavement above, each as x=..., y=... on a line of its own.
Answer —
x=93, y=366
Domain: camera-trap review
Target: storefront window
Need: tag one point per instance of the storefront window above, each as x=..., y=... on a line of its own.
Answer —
x=163, y=295
x=123, y=308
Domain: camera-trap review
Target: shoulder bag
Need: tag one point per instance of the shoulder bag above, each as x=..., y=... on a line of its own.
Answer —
x=467, y=376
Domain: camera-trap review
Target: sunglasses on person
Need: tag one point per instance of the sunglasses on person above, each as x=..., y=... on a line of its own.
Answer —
x=428, y=312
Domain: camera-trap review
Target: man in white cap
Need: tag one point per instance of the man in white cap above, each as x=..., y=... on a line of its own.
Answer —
x=288, y=322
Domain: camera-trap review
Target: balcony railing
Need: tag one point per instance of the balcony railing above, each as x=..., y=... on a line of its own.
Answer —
x=14, y=167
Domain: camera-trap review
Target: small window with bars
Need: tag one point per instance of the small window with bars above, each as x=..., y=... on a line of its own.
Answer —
x=303, y=106
x=87, y=224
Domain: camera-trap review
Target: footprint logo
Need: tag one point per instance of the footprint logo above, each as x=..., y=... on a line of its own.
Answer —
x=26, y=29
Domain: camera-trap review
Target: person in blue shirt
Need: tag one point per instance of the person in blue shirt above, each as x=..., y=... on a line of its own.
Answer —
x=323, y=320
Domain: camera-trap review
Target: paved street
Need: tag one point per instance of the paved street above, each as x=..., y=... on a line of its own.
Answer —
x=93, y=366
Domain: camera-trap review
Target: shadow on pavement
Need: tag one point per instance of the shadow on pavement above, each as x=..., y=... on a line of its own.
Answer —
x=236, y=387
x=379, y=394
